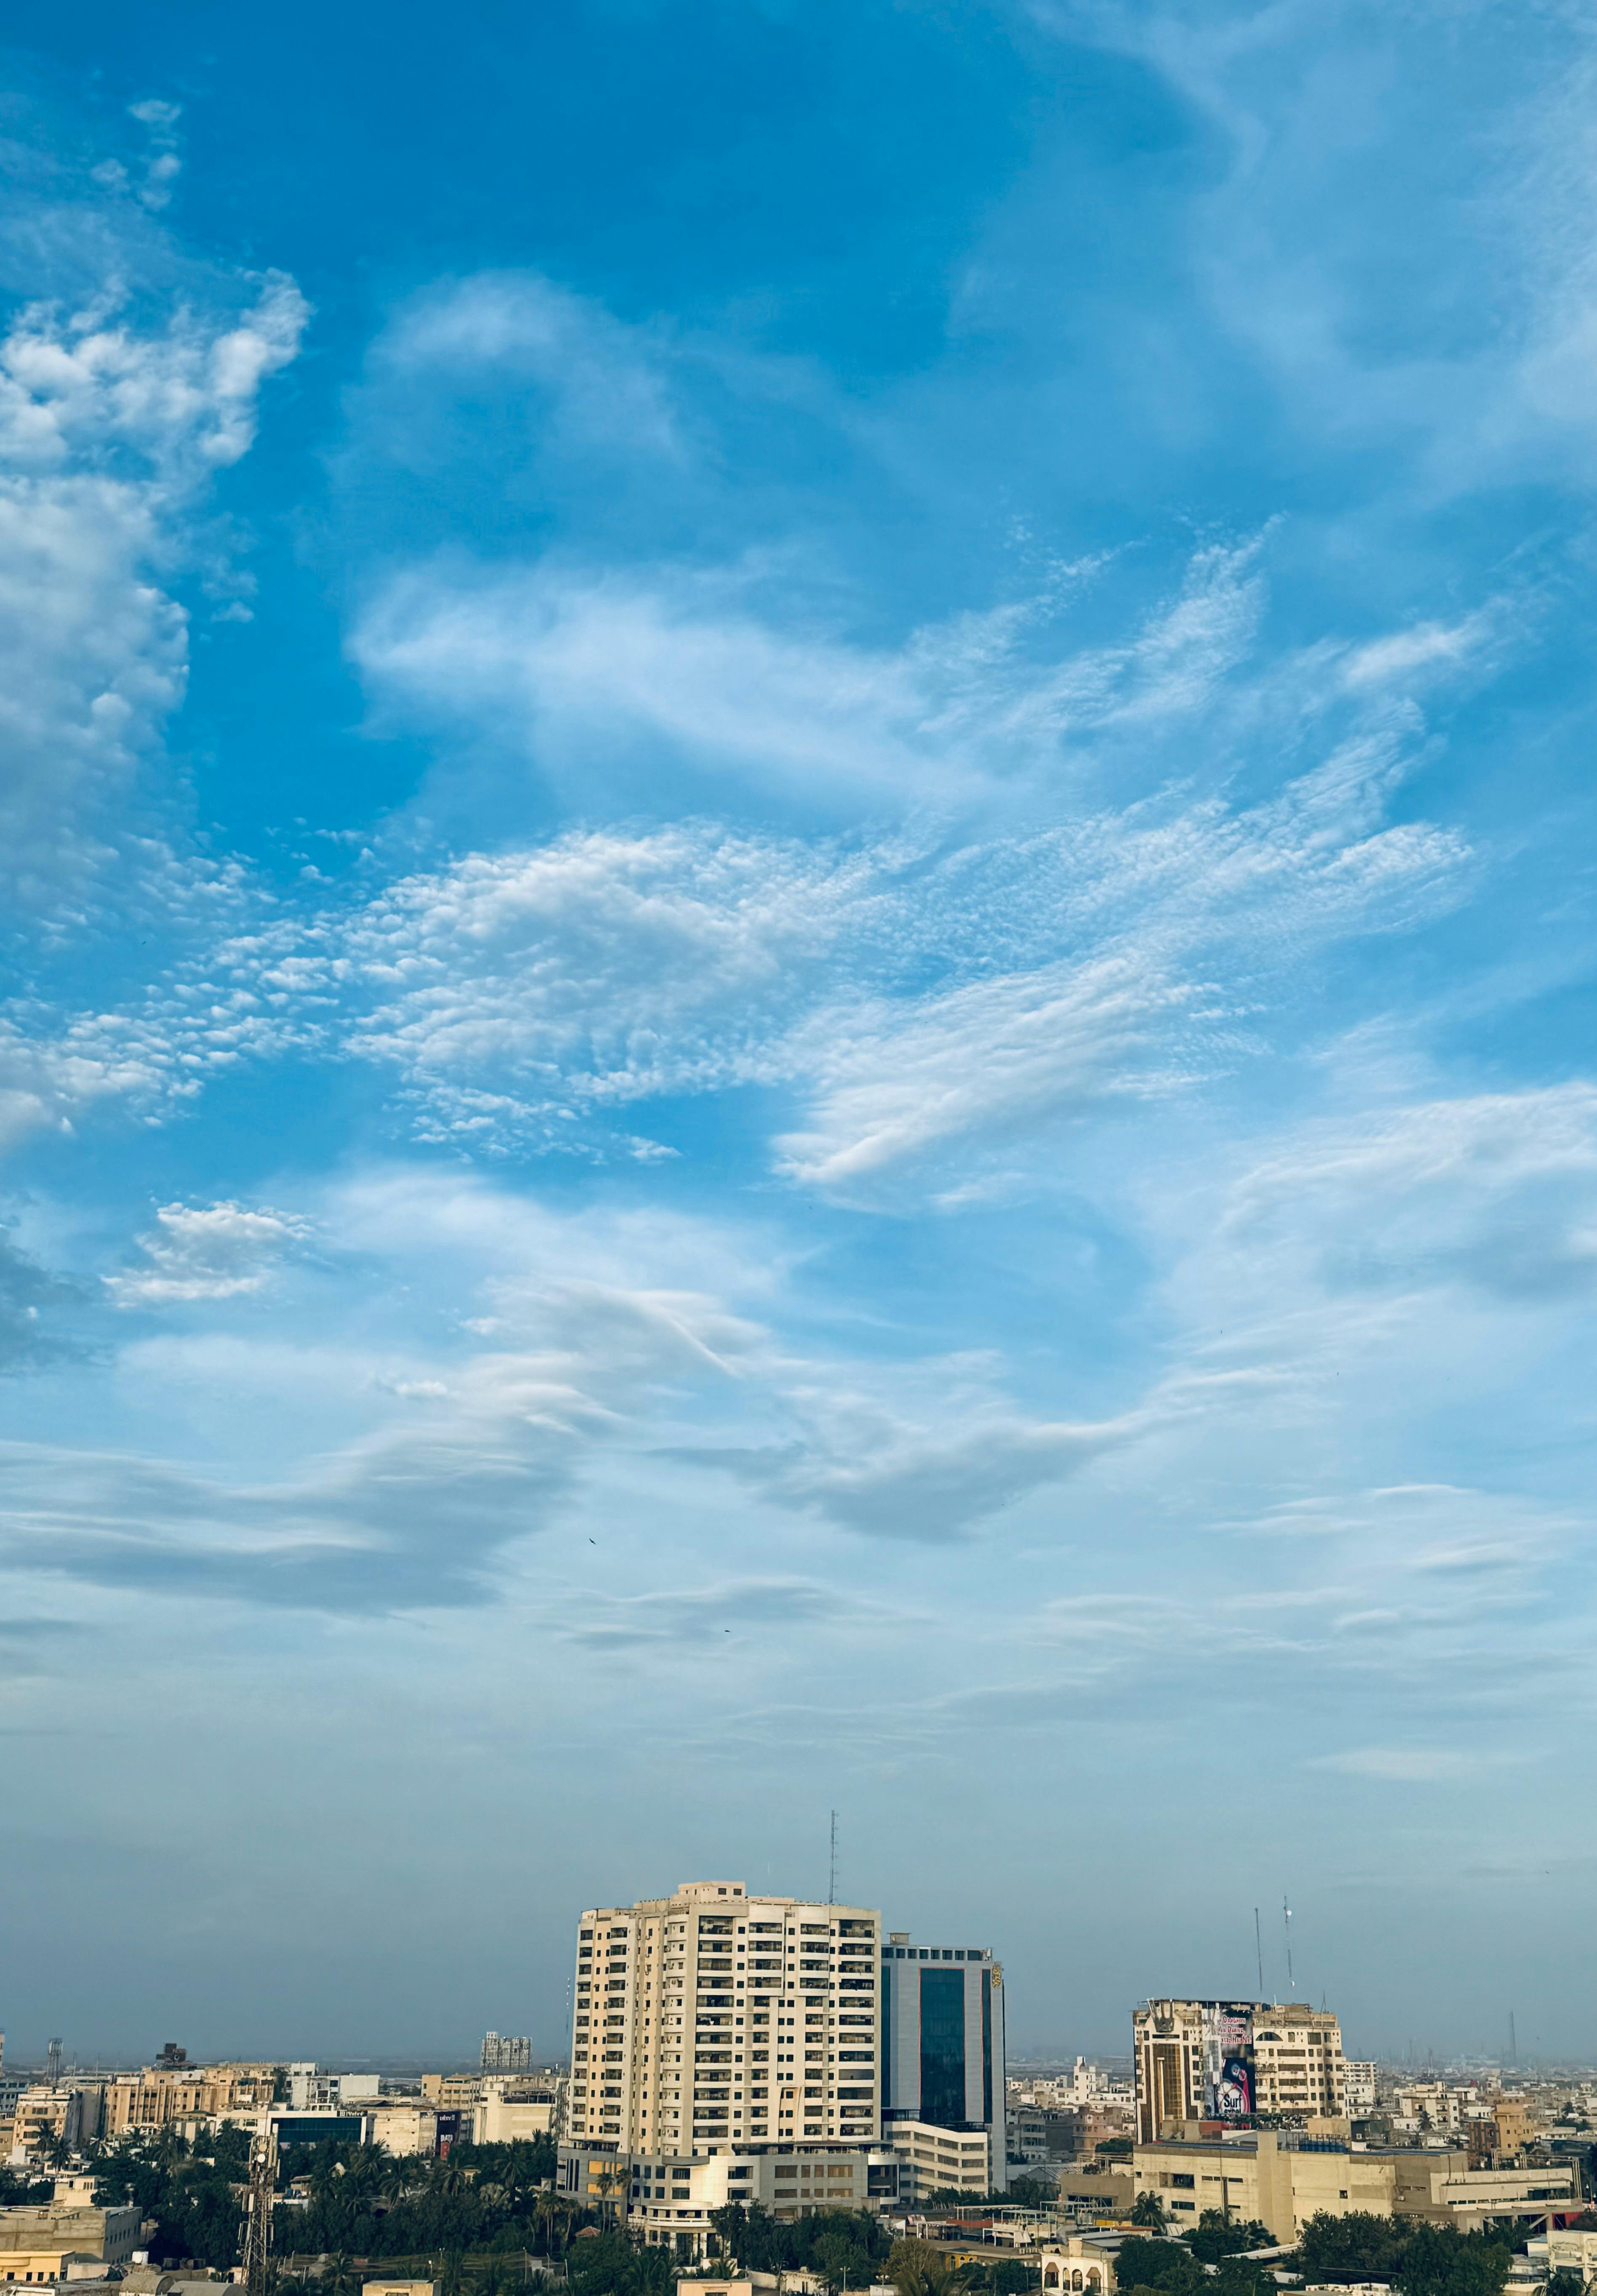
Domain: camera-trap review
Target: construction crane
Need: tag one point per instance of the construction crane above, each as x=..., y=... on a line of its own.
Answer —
x=258, y=2196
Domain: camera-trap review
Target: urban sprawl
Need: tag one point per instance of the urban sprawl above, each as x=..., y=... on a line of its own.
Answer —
x=770, y=2098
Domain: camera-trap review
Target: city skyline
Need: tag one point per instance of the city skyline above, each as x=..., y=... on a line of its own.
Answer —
x=796, y=882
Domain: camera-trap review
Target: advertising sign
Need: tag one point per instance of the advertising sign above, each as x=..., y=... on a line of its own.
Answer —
x=1230, y=2073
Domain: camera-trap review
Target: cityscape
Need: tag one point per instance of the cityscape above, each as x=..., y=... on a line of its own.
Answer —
x=797, y=1147
x=769, y=2093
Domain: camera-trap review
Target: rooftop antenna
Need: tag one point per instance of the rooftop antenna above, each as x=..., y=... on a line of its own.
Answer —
x=1286, y=1916
x=1258, y=1948
x=258, y=2195
x=831, y=1887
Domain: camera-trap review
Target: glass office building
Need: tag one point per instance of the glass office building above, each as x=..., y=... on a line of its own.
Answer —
x=942, y=2038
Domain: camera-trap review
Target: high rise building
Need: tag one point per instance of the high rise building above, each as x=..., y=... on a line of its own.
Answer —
x=711, y=2017
x=507, y=2053
x=1233, y=2060
x=942, y=2061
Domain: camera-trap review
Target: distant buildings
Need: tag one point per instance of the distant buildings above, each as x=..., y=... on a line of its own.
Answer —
x=502, y=2053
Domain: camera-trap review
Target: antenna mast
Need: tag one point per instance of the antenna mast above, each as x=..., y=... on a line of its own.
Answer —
x=831, y=1887
x=258, y=2204
x=1286, y=1916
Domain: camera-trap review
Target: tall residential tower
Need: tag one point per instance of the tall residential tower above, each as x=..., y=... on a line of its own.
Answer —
x=713, y=2016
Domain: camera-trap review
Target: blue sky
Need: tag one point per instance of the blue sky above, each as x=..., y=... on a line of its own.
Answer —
x=797, y=869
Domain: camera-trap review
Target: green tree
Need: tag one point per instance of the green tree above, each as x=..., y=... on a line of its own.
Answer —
x=1148, y=2210
x=1166, y=2264
x=1011, y=2277
x=1358, y=2246
x=1216, y=2235
x=1439, y=2260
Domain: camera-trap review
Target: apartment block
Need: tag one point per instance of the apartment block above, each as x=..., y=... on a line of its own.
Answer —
x=943, y=2062
x=1230, y=2060
x=66, y=2110
x=711, y=2017
x=667, y=2200
x=165, y=2094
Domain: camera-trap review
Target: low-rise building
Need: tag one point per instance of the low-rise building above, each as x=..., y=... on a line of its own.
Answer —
x=1076, y=2266
x=1097, y=2192
x=1567, y=2251
x=35, y=2242
x=513, y=2112
x=405, y=2125
x=667, y=2200
x=1282, y=2182
x=937, y=2160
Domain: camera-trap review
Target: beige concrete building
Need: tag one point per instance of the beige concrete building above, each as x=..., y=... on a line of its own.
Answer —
x=939, y=2160
x=666, y=2202
x=515, y=2110
x=1229, y=2059
x=1097, y=2192
x=710, y=2017
x=161, y=2095
x=452, y=2092
x=405, y=2125
x=1440, y=2187
x=1257, y=2177
x=1567, y=2251
x=1076, y=2266
x=69, y=2111
x=1283, y=2183
x=35, y=2242
x=398, y=2288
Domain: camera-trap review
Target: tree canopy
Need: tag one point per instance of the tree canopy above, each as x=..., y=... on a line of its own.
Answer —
x=1216, y=2235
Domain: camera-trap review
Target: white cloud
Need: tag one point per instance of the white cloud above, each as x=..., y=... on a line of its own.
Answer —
x=1401, y=1765
x=109, y=429
x=1497, y=1191
x=206, y=1251
x=610, y=383
x=610, y=671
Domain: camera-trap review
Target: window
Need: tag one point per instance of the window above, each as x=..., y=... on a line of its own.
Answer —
x=942, y=2046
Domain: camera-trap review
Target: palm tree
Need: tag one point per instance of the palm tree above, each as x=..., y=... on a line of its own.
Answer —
x=612, y=2179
